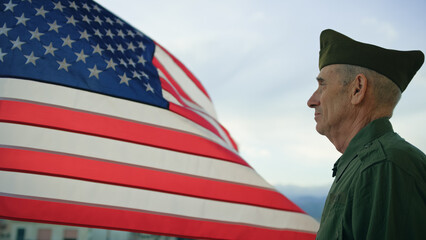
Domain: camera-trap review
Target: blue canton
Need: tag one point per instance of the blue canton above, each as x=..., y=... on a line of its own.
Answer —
x=77, y=44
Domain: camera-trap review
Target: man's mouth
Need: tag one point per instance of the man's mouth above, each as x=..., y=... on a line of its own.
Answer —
x=316, y=115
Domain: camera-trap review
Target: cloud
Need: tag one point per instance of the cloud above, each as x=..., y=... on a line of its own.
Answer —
x=380, y=29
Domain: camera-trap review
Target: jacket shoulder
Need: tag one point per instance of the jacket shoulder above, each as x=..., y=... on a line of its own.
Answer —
x=391, y=148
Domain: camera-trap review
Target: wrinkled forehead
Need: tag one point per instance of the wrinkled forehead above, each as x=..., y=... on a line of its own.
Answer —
x=331, y=72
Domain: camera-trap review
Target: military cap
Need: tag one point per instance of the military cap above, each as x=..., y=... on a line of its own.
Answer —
x=398, y=66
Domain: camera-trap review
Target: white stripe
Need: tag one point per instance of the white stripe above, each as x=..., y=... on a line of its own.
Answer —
x=124, y=197
x=50, y=94
x=215, y=125
x=186, y=102
x=169, y=97
x=184, y=81
x=197, y=110
x=23, y=136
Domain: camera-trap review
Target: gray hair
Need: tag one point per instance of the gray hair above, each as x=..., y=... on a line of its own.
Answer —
x=386, y=92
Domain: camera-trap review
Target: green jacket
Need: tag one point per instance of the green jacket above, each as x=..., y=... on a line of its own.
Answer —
x=379, y=190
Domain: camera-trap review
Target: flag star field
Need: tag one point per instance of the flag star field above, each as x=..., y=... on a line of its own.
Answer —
x=80, y=46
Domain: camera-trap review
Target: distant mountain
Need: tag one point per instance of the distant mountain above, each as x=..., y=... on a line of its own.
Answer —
x=292, y=190
x=311, y=205
x=310, y=199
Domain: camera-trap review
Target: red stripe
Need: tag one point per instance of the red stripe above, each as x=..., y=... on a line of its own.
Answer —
x=167, y=87
x=19, y=160
x=229, y=137
x=172, y=81
x=191, y=115
x=197, y=118
x=187, y=72
x=118, y=129
x=126, y=220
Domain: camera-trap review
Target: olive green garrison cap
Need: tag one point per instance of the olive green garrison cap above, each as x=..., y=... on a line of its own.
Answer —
x=398, y=66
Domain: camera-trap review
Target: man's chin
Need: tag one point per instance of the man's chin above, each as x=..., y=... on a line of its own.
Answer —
x=319, y=129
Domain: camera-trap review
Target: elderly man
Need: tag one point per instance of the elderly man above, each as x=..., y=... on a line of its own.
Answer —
x=379, y=190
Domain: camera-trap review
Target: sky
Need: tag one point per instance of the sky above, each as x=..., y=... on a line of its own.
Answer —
x=258, y=60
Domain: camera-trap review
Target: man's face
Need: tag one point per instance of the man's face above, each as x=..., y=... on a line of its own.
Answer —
x=330, y=101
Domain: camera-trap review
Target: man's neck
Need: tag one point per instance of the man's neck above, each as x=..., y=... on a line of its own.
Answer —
x=347, y=131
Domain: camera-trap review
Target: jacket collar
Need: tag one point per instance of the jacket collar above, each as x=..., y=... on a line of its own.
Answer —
x=362, y=140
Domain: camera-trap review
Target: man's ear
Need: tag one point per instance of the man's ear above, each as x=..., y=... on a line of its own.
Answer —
x=359, y=89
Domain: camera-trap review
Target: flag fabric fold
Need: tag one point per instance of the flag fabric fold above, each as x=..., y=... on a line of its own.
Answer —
x=102, y=127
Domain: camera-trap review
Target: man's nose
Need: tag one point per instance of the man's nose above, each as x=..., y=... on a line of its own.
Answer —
x=313, y=100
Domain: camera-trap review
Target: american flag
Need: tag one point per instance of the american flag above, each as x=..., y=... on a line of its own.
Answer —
x=102, y=127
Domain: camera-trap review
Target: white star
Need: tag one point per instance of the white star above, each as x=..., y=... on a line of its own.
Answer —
x=94, y=72
x=59, y=6
x=145, y=75
x=130, y=33
x=9, y=6
x=86, y=7
x=111, y=64
x=141, y=45
x=54, y=26
x=120, y=48
x=130, y=46
x=86, y=19
x=50, y=49
x=67, y=41
x=17, y=43
x=124, y=79
x=122, y=62
x=84, y=35
x=22, y=19
x=121, y=34
x=81, y=56
x=71, y=20
x=31, y=58
x=2, y=54
x=148, y=87
x=136, y=75
x=4, y=30
x=140, y=33
x=73, y=5
x=108, y=20
x=119, y=22
x=110, y=48
x=36, y=34
x=96, y=8
x=142, y=60
x=97, y=49
x=63, y=65
x=132, y=63
x=98, y=20
x=109, y=33
x=98, y=33
x=41, y=11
